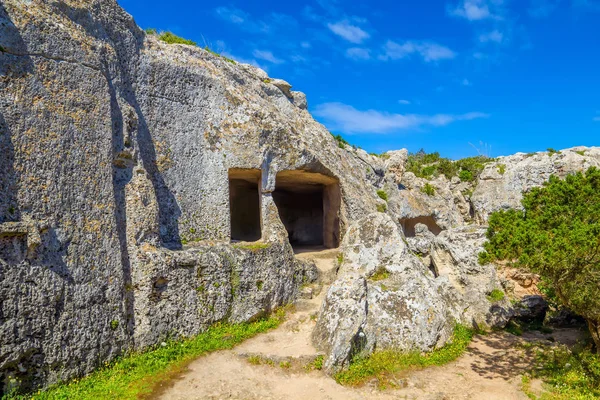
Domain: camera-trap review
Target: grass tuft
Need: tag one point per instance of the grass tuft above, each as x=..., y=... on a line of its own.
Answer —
x=428, y=189
x=137, y=374
x=380, y=274
x=251, y=246
x=495, y=295
x=171, y=38
x=382, y=195
x=384, y=365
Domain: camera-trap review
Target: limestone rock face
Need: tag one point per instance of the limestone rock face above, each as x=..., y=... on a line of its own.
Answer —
x=502, y=183
x=118, y=148
x=388, y=296
x=118, y=156
x=454, y=255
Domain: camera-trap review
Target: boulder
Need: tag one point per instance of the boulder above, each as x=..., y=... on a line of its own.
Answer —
x=299, y=100
x=530, y=308
x=454, y=256
x=390, y=299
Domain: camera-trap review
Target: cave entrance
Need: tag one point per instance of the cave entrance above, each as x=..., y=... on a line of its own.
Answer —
x=309, y=205
x=244, y=204
x=408, y=225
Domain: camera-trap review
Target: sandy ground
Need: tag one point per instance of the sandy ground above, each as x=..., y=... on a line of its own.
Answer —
x=490, y=369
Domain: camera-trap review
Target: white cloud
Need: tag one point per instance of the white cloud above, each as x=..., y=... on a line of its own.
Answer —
x=473, y=10
x=349, y=32
x=347, y=119
x=270, y=23
x=232, y=14
x=305, y=45
x=266, y=55
x=494, y=36
x=596, y=119
x=404, y=102
x=466, y=82
x=429, y=51
x=358, y=53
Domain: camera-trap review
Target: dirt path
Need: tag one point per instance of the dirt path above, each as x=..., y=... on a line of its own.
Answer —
x=273, y=366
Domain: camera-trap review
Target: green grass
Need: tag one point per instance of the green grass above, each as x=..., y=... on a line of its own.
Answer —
x=340, y=258
x=171, y=38
x=384, y=365
x=580, y=152
x=495, y=295
x=382, y=195
x=316, y=364
x=501, y=169
x=551, y=151
x=568, y=374
x=381, y=208
x=251, y=246
x=136, y=375
x=428, y=189
x=380, y=274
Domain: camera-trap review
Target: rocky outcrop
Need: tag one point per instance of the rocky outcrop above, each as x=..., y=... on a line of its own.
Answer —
x=118, y=153
x=385, y=297
x=502, y=183
x=454, y=255
x=117, y=148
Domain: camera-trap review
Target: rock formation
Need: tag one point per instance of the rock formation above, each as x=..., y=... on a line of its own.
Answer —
x=134, y=174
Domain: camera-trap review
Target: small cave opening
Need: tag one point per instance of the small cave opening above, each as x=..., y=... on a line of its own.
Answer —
x=308, y=205
x=408, y=225
x=244, y=204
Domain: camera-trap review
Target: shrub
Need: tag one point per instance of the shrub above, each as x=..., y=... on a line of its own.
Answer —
x=501, y=169
x=382, y=195
x=551, y=151
x=171, y=38
x=340, y=141
x=428, y=189
x=425, y=165
x=381, y=208
x=495, y=295
x=558, y=237
x=466, y=176
x=150, y=31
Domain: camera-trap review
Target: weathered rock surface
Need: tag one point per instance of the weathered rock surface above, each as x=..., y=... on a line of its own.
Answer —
x=116, y=153
x=118, y=146
x=502, y=183
x=454, y=255
x=385, y=297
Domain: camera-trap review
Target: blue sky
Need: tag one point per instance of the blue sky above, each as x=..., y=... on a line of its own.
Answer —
x=456, y=76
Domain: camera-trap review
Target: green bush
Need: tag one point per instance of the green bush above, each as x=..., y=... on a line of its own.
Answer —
x=428, y=165
x=382, y=195
x=501, y=169
x=466, y=176
x=558, y=237
x=381, y=208
x=340, y=141
x=495, y=295
x=428, y=189
x=171, y=38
